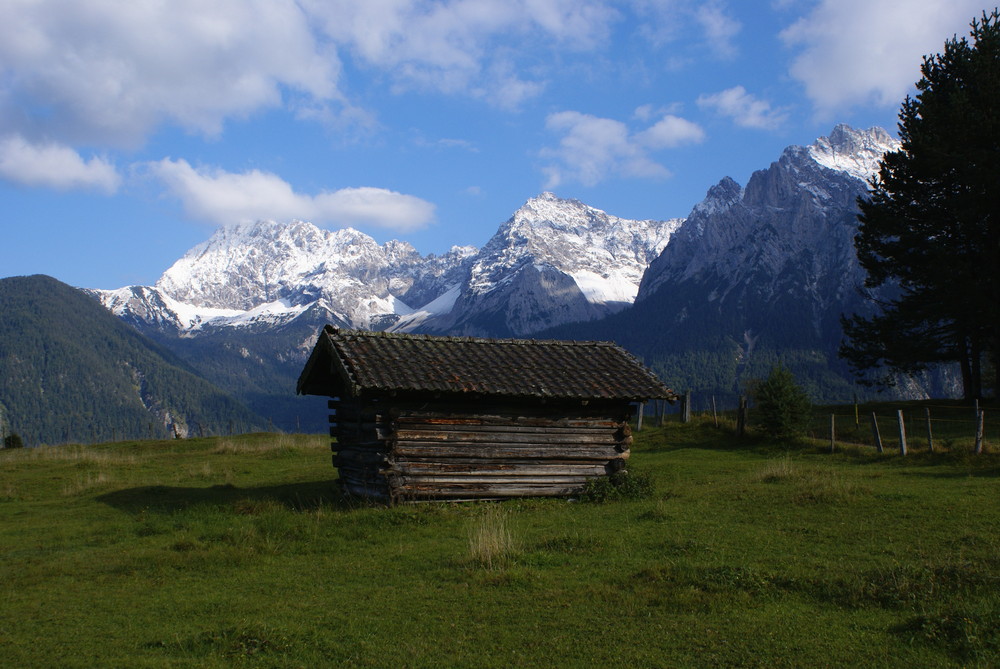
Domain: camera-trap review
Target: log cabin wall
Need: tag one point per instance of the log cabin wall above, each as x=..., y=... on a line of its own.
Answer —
x=398, y=450
x=425, y=417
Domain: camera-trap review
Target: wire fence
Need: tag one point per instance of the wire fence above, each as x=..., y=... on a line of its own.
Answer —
x=904, y=426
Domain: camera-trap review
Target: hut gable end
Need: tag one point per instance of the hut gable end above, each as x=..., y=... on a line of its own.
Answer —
x=422, y=417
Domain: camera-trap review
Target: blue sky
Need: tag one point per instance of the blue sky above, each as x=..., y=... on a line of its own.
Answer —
x=129, y=131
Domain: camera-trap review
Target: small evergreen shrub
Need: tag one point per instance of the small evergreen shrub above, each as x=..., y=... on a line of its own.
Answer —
x=13, y=441
x=782, y=408
x=620, y=485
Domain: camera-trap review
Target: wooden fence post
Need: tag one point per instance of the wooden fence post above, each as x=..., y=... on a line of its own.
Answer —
x=833, y=431
x=902, y=432
x=715, y=415
x=686, y=408
x=638, y=421
x=876, y=437
x=930, y=435
x=980, y=423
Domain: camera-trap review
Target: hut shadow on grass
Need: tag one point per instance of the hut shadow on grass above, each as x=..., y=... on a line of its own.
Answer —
x=307, y=496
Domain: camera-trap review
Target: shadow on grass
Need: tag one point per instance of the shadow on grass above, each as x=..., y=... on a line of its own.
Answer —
x=308, y=496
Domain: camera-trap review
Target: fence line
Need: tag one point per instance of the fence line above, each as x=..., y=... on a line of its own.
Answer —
x=851, y=424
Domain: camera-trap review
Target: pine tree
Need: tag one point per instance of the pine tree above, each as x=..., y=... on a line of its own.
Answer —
x=930, y=229
x=782, y=408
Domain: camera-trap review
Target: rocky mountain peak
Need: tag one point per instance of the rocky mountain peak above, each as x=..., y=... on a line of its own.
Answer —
x=573, y=238
x=721, y=196
x=856, y=152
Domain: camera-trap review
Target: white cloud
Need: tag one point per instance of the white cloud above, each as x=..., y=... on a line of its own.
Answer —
x=107, y=71
x=860, y=52
x=670, y=132
x=593, y=149
x=720, y=29
x=54, y=166
x=745, y=109
x=223, y=198
x=460, y=46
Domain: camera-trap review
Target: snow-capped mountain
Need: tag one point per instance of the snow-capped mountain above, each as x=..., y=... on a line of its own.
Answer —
x=577, y=263
x=271, y=273
x=759, y=274
x=790, y=231
x=554, y=261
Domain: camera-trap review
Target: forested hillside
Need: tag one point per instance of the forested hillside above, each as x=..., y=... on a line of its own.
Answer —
x=71, y=371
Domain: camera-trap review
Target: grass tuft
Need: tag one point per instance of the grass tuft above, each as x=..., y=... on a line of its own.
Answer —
x=491, y=542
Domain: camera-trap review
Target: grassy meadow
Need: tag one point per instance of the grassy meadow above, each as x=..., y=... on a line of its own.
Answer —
x=238, y=551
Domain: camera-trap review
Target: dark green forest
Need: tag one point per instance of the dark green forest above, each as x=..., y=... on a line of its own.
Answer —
x=71, y=371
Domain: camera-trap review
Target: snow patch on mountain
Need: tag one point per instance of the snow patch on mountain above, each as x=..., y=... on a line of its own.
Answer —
x=856, y=152
x=604, y=251
x=553, y=261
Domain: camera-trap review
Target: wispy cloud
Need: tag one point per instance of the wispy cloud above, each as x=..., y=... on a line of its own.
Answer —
x=854, y=52
x=223, y=198
x=54, y=166
x=593, y=149
x=744, y=109
x=719, y=27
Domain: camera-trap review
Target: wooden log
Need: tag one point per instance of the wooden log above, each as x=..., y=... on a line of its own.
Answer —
x=412, y=480
x=930, y=435
x=527, y=411
x=902, y=431
x=606, y=427
x=489, y=469
x=876, y=436
x=560, y=422
x=483, y=491
x=833, y=432
x=491, y=451
x=500, y=437
x=980, y=424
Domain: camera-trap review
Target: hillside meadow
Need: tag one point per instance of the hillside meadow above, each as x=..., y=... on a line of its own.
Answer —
x=238, y=551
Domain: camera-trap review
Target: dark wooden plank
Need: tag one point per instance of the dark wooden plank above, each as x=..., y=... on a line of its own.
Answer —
x=488, y=481
x=500, y=437
x=459, y=492
x=480, y=469
x=520, y=451
x=509, y=421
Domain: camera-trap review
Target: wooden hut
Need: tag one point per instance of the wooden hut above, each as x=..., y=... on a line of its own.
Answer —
x=422, y=417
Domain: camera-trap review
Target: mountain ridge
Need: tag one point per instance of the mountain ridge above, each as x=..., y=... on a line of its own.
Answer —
x=71, y=371
x=756, y=274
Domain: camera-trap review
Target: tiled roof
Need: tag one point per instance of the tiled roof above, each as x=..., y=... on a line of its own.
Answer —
x=353, y=363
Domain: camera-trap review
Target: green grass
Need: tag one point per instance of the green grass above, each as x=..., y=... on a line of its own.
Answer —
x=239, y=552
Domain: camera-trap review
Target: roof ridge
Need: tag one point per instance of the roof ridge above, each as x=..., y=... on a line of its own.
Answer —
x=382, y=334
